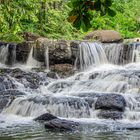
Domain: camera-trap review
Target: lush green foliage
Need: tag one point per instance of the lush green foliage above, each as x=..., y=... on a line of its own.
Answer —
x=46, y=17
x=81, y=14
x=126, y=21
x=50, y=18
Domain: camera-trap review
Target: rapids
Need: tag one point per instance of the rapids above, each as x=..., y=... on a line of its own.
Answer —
x=102, y=69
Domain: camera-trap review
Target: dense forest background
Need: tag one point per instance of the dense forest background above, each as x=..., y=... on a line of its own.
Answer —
x=72, y=19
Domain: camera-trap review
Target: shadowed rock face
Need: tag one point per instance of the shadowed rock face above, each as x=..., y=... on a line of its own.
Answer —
x=22, y=52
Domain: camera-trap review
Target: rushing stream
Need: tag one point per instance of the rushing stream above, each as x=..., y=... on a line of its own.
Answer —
x=103, y=69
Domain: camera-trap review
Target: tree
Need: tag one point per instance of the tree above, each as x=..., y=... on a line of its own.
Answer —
x=81, y=13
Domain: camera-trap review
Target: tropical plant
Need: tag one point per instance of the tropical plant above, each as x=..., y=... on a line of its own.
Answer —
x=81, y=14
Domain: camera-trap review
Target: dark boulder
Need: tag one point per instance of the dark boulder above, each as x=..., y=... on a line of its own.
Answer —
x=22, y=52
x=62, y=125
x=110, y=114
x=45, y=117
x=59, y=51
x=63, y=70
x=54, y=123
x=111, y=101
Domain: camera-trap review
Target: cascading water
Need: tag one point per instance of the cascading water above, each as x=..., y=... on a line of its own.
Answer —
x=75, y=97
x=134, y=52
x=47, y=57
x=8, y=54
x=4, y=53
x=91, y=54
x=114, y=52
x=31, y=62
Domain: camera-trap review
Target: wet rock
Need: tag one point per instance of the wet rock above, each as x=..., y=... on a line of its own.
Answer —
x=105, y=36
x=63, y=70
x=110, y=114
x=7, y=97
x=61, y=125
x=6, y=83
x=59, y=51
x=53, y=75
x=45, y=117
x=111, y=101
x=94, y=76
x=9, y=78
x=53, y=123
x=74, y=50
x=3, y=103
x=22, y=52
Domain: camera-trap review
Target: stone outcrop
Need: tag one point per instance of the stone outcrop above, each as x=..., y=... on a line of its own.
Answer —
x=22, y=51
x=59, y=51
x=54, y=123
x=111, y=101
x=110, y=114
x=105, y=36
x=111, y=106
x=63, y=70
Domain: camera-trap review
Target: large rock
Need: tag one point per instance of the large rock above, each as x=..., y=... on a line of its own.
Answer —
x=54, y=123
x=62, y=125
x=28, y=79
x=22, y=51
x=105, y=36
x=110, y=114
x=63, y=70
x=59, y=51
x=111, y=101
x=45, y=117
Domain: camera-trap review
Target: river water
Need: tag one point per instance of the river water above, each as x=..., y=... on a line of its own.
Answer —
x=102, y=69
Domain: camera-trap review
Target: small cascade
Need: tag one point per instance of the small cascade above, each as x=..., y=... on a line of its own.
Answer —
x=47, y=58
x=8, y=54
x=31, y=62
x=23, y=107
x=62, y=106
x=134, y=52
x=12, y=55
x=91, y=54
x=114, y=53
x=4, y=50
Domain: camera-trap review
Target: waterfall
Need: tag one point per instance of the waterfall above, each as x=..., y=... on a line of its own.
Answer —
x=69, y=107
x=31, y=62
x=114, y=52
x=47, y=57
x=8, y=54
x=91, y=54
x=104, y=69
x=94, y=54
x=134, y=52
x=4, y=53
